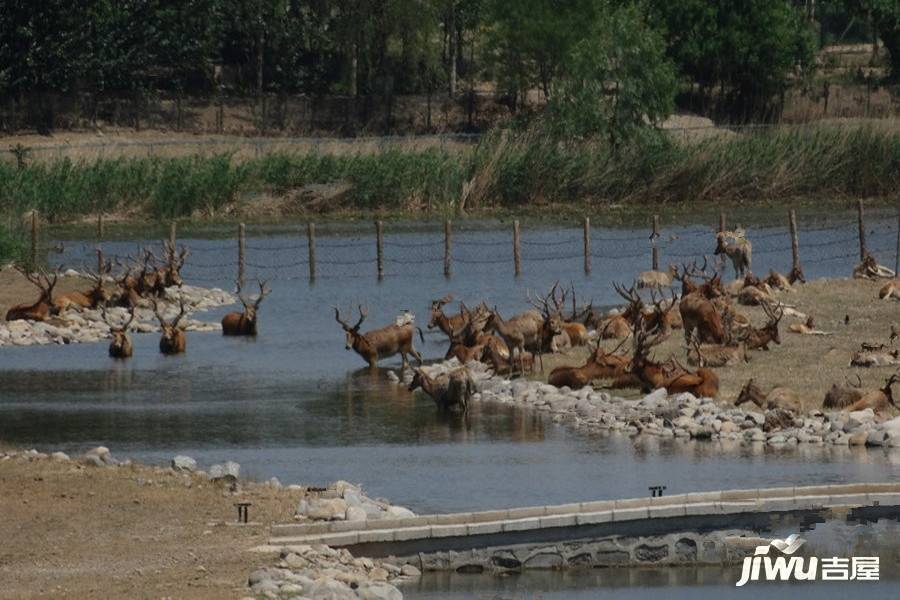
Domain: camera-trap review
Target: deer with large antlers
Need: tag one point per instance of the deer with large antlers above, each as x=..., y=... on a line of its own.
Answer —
x=880, y=401
x=600, y=365
x=380, y=343
x=554, y=337
x=244, y=323
x=120, y=346
x=699, y=312
x=760, y=338
x=44, y=306
x=172, y=339
x=97, y=296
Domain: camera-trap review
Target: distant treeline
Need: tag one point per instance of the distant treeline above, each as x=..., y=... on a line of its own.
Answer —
x=742, y=53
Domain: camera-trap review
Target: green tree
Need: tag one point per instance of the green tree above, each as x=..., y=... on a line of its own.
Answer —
x=884, y=16
x=616, y=80
x=745, y=51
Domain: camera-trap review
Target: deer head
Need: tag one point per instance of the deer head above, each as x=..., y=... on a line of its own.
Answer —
x=120, y=346
x=775, y=315
x=172, y=337
x=352, y=332
x=437, y=310
x=174, y=261
x=251, y=308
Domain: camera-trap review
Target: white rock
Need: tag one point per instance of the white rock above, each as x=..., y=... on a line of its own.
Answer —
x=184, y=463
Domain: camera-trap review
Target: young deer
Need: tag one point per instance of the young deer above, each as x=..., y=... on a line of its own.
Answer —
x=502, y=365
x=740, y=252
x=518, y=333
x=447, y=324
x=120, y=346
x=380, y=343
x=777, y=397
x=172, y=339
x=244, y=323
x=449, y=391
x=44, y=306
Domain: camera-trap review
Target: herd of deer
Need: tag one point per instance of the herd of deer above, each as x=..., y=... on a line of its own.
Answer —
x=716, y=333
x=140, y=283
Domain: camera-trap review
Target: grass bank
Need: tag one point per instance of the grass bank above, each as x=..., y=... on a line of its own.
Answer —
x=505, y=171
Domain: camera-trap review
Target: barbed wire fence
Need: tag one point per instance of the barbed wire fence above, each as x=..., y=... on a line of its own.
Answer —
x=458, y=251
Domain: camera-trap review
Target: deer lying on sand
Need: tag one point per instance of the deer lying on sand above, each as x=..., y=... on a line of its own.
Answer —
x=873, y=357
x=844, y=395
x=172, y=339
x=759, y=339
x=380, y=343
x=657, y=279
x=777, y=397
x=93, y=298
x=807, y=328
x=44, y=306
x=868, y=268
x=890, y=290
x=451, y=390
x=244, y=323
x=880, y=401
x=120, y=346
x=600, y=365
x=740, y=252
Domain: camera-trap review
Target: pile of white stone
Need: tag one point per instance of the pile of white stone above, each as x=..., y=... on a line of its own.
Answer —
x=320, y=572
x=342, y=501
x=74, y=326
x=679, y=416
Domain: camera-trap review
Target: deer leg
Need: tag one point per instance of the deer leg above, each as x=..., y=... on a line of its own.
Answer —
x=405, y=361
x=416, y=355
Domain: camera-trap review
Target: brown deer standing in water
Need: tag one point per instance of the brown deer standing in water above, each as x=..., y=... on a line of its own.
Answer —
x=172, y=339
x=449, y=391
x=380, y=343
x=244, y=323
x=120, y=346
x=44, y=306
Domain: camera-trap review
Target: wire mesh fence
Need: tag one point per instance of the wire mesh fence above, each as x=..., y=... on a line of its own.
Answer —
x=454, y=250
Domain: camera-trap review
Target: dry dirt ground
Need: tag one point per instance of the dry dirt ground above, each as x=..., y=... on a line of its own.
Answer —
x=15, y=289
x=808, y=364
x=85, y=532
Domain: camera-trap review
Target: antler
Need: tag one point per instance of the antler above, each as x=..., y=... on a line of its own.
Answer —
x=440, y=302
x=363, y=313
x=263, y=292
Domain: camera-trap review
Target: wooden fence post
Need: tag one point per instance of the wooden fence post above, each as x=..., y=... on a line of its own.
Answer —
x=862, y=230
x=311, y=243
x=379, y=247
x=517, y=250
x=100, y=226
x=795, y=242
x=173, y=232
x=448, y=241
x=587, y=245
x=654, y=256
x=242, y=247
x=721, y=222
x=35, y=234
x=897, y=251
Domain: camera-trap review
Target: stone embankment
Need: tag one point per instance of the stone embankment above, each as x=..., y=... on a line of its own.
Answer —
x=680, y=416
x=86, y=326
